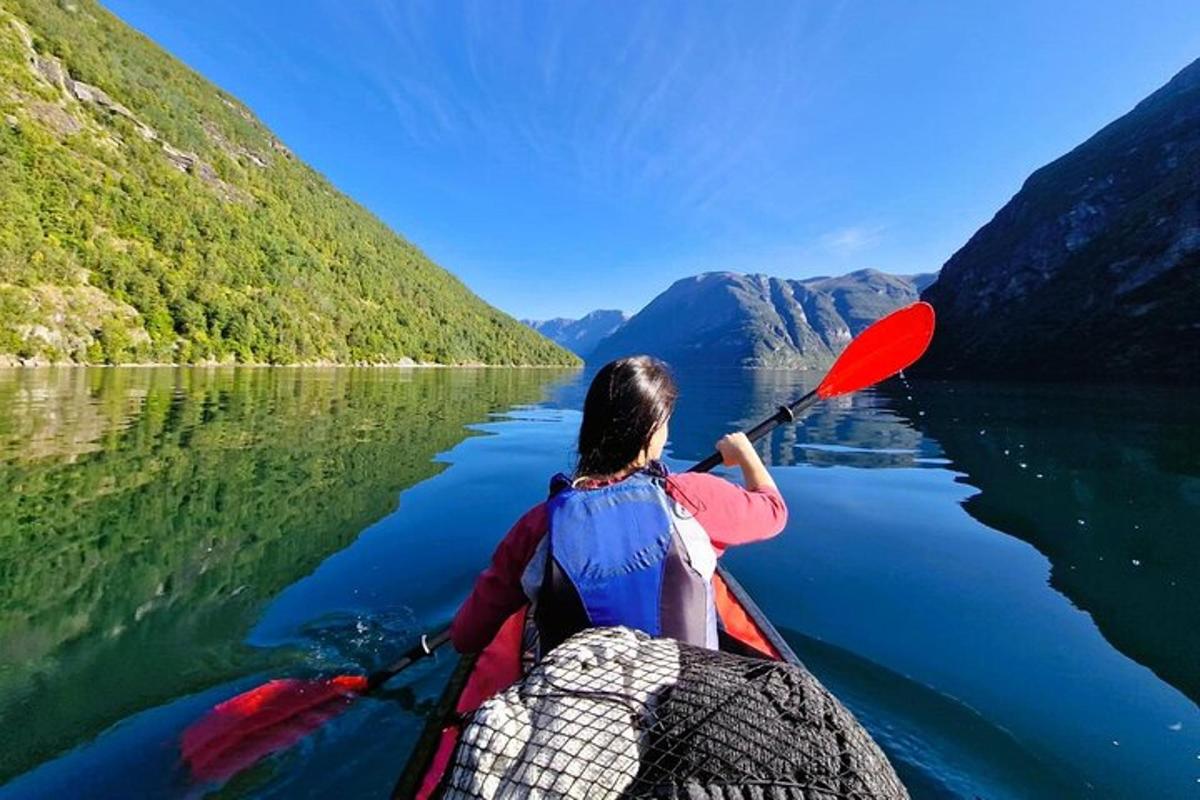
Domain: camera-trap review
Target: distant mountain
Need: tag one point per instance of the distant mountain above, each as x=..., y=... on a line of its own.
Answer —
x=146, y=215
x=580, y=336
x=729, y=319
x=1092, y=271
x=922, y=280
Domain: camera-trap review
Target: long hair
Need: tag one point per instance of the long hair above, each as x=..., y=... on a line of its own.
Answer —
x=629, y=399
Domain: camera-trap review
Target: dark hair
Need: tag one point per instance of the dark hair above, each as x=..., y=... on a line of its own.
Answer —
x=629, y=399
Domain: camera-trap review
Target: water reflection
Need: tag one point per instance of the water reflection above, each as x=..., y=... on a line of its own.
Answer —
x=857, y=430
x=941, y=748
x=147, y=515
x=942, y=635
x=1106, y=483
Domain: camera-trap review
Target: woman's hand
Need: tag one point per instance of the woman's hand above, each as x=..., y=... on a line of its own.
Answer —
x=737, y=451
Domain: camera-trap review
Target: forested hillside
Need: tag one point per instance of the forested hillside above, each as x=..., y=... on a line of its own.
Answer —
x=145, y=215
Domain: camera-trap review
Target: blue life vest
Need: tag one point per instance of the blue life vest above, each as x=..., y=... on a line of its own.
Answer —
x=616, y=558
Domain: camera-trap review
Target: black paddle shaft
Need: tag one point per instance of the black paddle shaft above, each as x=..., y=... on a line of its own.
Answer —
x=423, y=648
x=784, y=415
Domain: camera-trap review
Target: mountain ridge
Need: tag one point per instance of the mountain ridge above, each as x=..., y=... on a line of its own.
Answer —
x=580, y=336
x=756, y=320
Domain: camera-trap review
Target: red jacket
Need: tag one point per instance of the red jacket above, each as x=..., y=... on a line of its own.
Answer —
x=728, y=513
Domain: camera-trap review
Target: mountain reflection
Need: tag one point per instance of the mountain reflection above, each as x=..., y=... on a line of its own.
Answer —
x=857, y=430
x=147, y=515
x=1105, y=481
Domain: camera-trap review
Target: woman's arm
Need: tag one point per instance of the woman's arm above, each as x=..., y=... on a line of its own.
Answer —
x=497, y=594
x=728, y=513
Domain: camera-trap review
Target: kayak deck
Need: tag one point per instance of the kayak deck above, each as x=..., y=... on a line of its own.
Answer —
x=745, y=630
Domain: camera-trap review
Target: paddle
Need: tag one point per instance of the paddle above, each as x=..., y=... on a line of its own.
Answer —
x=884, y=348
x=272, y=717
x=277, y=714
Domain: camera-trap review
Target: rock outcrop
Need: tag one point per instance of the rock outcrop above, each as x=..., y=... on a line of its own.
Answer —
x=1092, y=271
x=59, y=117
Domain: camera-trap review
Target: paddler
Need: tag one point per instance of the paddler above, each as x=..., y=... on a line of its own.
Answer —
x=623, y=541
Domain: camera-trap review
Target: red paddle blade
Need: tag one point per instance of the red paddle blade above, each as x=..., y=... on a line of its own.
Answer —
x=251, y=726
x=882, y=350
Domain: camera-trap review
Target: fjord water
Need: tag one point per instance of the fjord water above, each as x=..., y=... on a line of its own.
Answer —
x=1000, y=581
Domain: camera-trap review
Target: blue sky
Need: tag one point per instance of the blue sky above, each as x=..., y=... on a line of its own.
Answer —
x=566, y=156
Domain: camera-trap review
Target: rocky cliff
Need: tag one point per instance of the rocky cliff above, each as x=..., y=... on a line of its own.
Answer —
x=729, y=319
x=1092, y=271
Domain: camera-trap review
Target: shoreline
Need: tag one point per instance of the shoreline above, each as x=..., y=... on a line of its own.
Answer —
x=257, y=365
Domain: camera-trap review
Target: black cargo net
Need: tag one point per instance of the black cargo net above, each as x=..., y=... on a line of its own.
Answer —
x=612, y=713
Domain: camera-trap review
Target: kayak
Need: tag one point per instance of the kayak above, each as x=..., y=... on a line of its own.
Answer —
x=817, y=745
x=745, y=631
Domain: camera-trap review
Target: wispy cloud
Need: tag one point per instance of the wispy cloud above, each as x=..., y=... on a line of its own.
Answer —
x=652, y=101
x=852, y=240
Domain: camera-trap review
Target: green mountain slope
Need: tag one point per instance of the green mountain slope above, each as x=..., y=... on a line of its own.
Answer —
x=147, y=216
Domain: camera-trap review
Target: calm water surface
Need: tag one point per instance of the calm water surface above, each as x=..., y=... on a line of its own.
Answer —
x=1003, y=583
